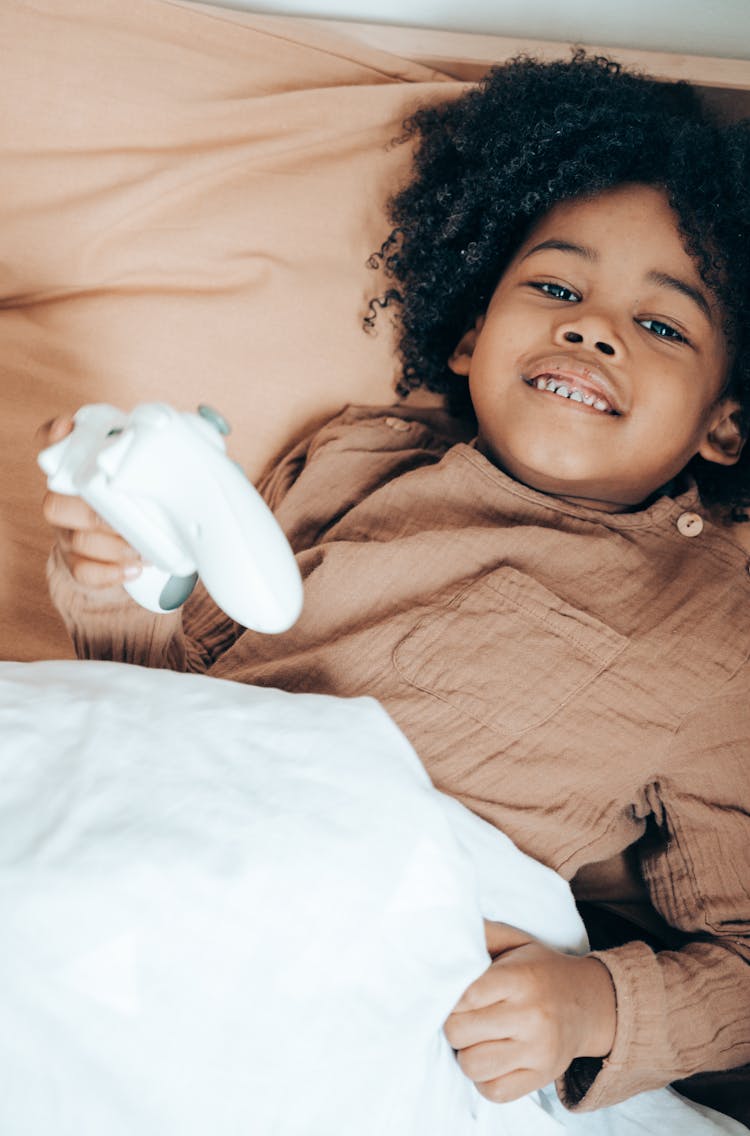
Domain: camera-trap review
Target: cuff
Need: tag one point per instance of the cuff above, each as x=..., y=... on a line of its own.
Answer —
x=635, y=1062
x=106, y=623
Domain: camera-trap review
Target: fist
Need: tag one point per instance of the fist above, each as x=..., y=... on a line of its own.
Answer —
x=532, y=1012
x=96, y=556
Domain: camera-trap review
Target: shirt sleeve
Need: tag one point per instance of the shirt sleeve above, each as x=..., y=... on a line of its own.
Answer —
x=318, y=481
x=108, y=624
x=685, y=1011
x=309, y=488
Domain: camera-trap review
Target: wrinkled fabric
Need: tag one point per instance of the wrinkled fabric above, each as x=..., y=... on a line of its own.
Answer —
x=579, y=679
x=227, y=909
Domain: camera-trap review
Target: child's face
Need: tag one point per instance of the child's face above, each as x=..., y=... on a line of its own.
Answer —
x=602, y=299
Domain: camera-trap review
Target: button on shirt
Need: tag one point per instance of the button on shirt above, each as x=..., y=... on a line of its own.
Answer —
x=690, y=524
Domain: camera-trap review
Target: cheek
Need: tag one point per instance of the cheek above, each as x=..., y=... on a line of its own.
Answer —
x=678, y=399
x=501, y=345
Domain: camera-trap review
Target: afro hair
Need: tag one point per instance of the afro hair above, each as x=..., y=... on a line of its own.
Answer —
x=488, y=164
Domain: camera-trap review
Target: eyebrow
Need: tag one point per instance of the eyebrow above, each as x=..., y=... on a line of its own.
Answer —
x=563, y=246
x=664, y=280
x=661, y=279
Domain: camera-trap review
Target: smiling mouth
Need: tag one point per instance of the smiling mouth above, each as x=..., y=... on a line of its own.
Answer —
x=573, y=389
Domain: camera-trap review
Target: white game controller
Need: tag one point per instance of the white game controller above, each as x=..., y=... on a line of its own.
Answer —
x=163, y=480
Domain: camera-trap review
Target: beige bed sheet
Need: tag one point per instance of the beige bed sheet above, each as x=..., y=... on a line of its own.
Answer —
x=189, y=198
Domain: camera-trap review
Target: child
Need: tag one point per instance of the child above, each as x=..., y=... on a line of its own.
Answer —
x=541, y=597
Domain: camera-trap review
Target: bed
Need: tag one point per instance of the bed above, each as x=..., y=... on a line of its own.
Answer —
x=190, y=198
x=188, y=207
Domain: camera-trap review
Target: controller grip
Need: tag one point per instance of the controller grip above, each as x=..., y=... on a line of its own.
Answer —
x=160, y=591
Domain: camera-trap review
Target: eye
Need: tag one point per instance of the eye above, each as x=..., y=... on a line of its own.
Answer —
x=663, y=330
x=556, y=291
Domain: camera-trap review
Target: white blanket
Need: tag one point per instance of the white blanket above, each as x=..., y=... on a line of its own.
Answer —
x=234, y=911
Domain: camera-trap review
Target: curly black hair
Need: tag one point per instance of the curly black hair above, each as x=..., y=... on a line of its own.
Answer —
x=491, y=162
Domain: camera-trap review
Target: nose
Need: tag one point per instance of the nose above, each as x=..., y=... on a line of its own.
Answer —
x=599, y=344
x=594, y=331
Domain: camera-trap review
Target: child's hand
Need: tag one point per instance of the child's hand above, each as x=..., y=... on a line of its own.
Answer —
x=533, y=1011
x=95, y=554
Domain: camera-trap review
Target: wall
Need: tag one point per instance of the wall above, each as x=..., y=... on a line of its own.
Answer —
x=698, y=27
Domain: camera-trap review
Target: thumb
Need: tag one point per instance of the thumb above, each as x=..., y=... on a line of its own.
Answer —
x=53, y=431
x=502, y=937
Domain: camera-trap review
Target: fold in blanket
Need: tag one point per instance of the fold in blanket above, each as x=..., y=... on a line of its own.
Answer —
x=230, y=909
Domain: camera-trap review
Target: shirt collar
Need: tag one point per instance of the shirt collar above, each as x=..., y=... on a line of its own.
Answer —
x=663, y=507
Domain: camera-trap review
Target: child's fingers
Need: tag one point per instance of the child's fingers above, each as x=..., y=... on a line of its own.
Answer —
x=98, y=559
x=95, y=554
x=54, y=430
x=512, y=1086
x=65, y=512
x=502, y=937
x=97, y=574
x=96, y=544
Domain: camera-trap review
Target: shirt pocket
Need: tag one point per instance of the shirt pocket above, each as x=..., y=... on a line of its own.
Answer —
x=506, y=651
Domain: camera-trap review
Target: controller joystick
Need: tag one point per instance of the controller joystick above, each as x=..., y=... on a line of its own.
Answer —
x=163, y=480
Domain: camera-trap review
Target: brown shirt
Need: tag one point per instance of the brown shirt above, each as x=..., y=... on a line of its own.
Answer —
x=578, y=678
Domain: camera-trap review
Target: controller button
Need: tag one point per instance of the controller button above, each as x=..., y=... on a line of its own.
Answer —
x=216, y=419
x=176, y=591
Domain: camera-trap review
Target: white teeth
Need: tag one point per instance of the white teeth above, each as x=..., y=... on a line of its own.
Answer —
x=573, y=394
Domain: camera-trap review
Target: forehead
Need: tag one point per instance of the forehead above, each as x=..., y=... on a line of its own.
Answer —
x=634, y=221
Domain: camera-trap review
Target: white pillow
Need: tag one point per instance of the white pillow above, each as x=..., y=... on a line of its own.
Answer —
x=232, y=910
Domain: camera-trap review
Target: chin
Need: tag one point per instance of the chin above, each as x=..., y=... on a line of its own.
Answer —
x=563, y=475
x=554, y=480
x=572, y=488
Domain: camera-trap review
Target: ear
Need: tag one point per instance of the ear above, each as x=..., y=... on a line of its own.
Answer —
x=460, y=360
x=723, y=441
